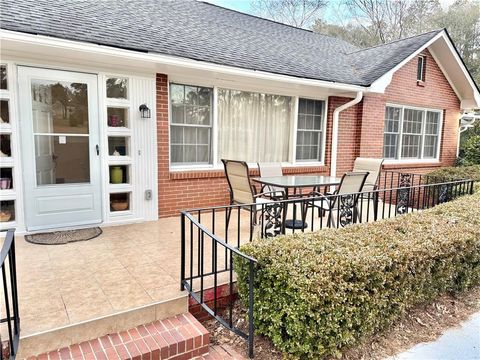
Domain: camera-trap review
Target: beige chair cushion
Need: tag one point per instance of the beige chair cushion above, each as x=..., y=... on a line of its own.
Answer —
x=373, y=166
x=237, y=174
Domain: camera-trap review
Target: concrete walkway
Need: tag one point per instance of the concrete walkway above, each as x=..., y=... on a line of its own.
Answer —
x=461, y=343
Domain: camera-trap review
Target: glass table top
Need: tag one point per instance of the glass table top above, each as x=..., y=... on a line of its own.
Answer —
x=288, y=181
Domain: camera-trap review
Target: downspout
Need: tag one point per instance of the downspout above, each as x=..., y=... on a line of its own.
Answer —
x=336, y=116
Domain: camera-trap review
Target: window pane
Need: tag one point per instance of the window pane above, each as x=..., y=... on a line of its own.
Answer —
x=4, y=112
x=412, y=121
x=177, y=153
x=117, y=88
x=54, y=159
x=177, y=94
x=3, y=77
x=309, y=129
x=117, y=117
x=176, y=134
x=191, y=105
x=420, y=68
x=191, y=97
x=118, y=146
x=432, y=123
x=59, y=107
x=390, y=146
x=392, y=119
x=411, y=146
x=253, y=127
x=430, y=147
x=178, y=114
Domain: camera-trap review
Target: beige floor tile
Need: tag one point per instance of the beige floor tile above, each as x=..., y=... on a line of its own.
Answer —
x=42, y=321
x=115, y=277
x=126, y=295
x=150, y=275
x=89, y=308
x=165, y=292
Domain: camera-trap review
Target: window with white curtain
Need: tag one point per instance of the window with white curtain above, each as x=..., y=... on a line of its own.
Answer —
x=254, y=127
x=411, y=133
x=190, y=124
x=310, y=130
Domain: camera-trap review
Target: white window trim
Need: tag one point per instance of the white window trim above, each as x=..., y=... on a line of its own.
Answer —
x=421, y=160
x=217, y=165
x=324, y=132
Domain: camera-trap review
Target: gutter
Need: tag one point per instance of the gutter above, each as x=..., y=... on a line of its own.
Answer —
x=336, y=117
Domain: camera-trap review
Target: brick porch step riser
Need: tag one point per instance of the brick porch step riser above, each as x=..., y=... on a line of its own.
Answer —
x=177, y=338
x=77, y=333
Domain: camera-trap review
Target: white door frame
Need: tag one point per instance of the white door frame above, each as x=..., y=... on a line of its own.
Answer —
x=88, y=196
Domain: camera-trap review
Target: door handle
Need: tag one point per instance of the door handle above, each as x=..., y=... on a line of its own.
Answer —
x=98, y=149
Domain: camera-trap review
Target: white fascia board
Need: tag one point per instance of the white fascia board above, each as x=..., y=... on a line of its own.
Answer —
x=69, y=45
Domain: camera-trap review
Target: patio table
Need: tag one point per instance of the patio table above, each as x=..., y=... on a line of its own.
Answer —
x=297, y=183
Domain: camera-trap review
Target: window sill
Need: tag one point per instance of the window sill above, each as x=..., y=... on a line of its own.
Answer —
x=399, y=164
x=421, y=83
x=218, y=172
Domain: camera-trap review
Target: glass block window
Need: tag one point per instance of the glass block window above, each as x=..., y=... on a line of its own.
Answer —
x=191, y=124
x=310, y=130
x=411, y=133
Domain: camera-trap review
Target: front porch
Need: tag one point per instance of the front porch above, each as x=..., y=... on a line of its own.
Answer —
x=125, y=277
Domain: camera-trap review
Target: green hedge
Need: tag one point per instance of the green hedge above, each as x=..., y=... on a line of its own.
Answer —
x=316, y=293
x=457, y=173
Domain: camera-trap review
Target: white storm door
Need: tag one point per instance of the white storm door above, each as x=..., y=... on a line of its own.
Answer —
x=60, y=148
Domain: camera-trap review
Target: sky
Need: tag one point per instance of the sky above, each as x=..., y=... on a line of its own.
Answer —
x=244, y=6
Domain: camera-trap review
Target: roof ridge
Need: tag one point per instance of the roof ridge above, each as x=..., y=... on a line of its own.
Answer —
x=395, y=41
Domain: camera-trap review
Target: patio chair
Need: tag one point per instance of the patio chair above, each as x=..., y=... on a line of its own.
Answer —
x=242, y=192
x=341, y=204
x=374, y=167
x=271, y=170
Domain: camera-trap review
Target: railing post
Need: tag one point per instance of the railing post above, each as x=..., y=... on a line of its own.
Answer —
x=250, y=310
x=182, y=260
x=471, y=187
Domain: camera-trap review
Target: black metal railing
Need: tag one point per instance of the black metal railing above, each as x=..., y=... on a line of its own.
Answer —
x=207, y=263
x=10, y=293
x=212, y=236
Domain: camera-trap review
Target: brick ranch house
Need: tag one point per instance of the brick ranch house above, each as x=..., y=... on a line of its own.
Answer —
x=119, y=112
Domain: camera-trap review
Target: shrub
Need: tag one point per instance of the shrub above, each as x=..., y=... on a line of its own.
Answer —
x=471, y=150
x=316, y=293
x=456, y=173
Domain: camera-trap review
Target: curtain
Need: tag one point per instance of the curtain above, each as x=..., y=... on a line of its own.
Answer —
x=254, y=127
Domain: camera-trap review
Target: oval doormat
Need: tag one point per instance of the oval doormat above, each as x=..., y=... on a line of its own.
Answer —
x=63, y=237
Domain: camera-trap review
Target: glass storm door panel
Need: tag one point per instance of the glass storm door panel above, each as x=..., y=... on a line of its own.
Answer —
x=60, y=155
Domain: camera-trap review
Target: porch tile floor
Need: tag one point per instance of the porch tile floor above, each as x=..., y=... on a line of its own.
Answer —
x=124, y=268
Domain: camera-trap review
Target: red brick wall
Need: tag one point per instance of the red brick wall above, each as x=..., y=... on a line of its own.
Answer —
x=348, y=146
x=435, y=93
x=360, y=134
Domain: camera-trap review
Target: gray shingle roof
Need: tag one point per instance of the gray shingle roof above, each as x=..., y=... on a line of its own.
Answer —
x=205, y=32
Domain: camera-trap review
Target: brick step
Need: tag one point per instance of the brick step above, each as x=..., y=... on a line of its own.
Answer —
x=179, y=337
